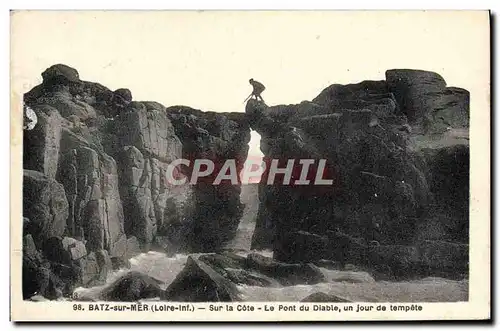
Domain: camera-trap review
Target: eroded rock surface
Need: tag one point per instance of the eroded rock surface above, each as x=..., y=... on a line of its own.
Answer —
x=95, y=180
x=396, y=153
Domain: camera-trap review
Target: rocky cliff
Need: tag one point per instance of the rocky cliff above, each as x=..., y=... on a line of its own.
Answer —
x=95, y=186
x=398, y=155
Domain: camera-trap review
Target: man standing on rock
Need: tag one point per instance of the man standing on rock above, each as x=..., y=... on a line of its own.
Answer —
x=258, y=88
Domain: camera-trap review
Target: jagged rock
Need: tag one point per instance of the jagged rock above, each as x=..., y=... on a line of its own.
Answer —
x=70, y=263
x=104, y=260
x=90, y=271
x=64, y=250
x=232, y=267
x=323, y=297
x=132, y=286
x=91, y=181
x=145, y=125
x=287, y=274
x=38, y=276
x=149, y=145
x=375, y=181
x=149, y=201
x=75, y=248
x=45, y=204
x=198, y=282
x=217, y=137
x=386, y=188
x=32, y=262
x=140, y=219
x=94, y=268
x=60, y=98
x=29, y=248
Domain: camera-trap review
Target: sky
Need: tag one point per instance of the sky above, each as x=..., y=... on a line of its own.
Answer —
x=205, y=59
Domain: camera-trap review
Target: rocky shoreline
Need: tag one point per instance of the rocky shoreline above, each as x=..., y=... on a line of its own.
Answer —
x=95, y=192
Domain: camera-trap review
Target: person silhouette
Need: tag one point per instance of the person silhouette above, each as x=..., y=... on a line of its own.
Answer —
x=258, y=88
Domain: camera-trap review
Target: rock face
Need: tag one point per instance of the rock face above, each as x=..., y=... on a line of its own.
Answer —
x=448, y=177
x=91, y=181
x=424, y=98
x=392, y=168
x=41, y=146
x=148, y=145
x=44, y=201
x=96, y=185
x=216, y=137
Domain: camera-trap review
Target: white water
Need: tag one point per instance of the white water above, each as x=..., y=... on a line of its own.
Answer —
x=353, y=285
x=356, y=286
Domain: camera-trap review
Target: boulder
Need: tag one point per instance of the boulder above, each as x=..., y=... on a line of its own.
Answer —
x=425, y=99
x=232, y=267
x=287, y=274
x=60, y=74
x=198, y=282
x=94, y=268
x=323, y=297
x=124, y=93
x=132, y=286
x=45, y=204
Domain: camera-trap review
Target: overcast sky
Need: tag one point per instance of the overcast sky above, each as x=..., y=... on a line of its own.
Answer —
x=204, y=59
